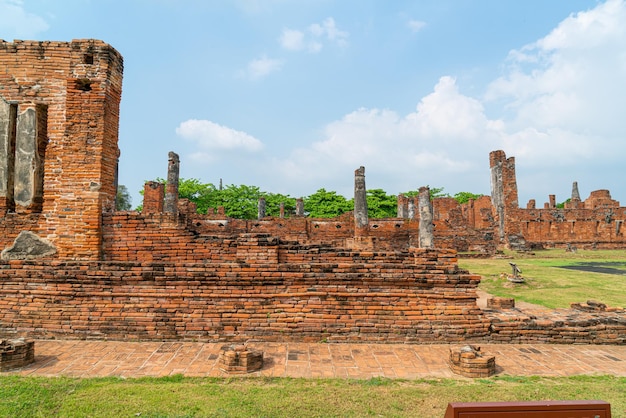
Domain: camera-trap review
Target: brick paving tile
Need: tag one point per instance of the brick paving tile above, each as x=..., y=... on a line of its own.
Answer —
x=315, y=360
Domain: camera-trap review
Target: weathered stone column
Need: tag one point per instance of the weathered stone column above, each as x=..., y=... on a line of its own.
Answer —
x=171, y=188
x=299, y=207
x=503, y=188
x=552, y=199
x=361, y=220
x=575, y=193
x=574, y=202
x=261, y=209
x=403, y=203
x=411, y=208
x=8, y=117
x=30, y=132
x=425, y=208
x=282, y=210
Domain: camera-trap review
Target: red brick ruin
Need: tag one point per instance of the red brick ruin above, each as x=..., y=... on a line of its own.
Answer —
x=73, y=267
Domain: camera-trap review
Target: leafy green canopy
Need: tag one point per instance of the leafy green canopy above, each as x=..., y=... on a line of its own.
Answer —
x=242, y=201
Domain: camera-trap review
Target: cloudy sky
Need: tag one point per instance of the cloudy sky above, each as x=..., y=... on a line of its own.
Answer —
x=294, y=95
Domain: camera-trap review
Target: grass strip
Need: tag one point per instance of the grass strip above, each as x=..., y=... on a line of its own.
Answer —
x=178, y=396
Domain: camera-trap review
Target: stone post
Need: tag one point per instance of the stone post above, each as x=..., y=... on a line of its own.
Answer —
x=171, y=188
x=411, y=208
x=575, y=193
x=361, y=220
x=299, y=207
x=403, y=203
x=503, y=190
x=425, y=208
x=552, y=199
x=575, y=199
x=282, y=210
x=261, y=211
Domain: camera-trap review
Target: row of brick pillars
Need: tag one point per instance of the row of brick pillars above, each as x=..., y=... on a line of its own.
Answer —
x=155, y=202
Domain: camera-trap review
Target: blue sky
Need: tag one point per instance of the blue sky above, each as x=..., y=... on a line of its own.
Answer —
x=293, y=96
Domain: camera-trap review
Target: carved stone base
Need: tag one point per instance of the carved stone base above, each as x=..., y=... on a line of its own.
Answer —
x=468, y=361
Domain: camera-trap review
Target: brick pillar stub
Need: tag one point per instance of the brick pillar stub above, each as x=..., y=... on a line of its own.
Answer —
x=171, y=189
x=153, y=197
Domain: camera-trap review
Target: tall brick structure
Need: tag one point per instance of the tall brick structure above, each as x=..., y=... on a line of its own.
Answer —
x=59, y=113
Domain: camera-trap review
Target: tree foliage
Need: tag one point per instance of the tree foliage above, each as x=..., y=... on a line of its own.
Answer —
x=323, y=204
x=242, y=201
x=381, y=205
x=123, y=200
x=464, y=197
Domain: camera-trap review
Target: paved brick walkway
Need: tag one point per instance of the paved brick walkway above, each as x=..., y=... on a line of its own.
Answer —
x=362, y=361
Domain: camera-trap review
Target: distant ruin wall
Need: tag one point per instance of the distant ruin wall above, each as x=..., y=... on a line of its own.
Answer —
x=596, y=222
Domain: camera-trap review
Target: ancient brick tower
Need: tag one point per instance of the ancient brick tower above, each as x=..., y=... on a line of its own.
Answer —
x=59, y=117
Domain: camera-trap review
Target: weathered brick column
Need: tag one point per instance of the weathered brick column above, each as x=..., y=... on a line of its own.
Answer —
x=361, y=220
x=171, y=189
x=426, y=219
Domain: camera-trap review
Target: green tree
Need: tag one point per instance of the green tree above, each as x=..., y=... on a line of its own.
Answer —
x=464, y=197
x=562, y=204
x=324, y=204
x=123, y=200
x=204, y=195
x=273, y=201
x=435, y=192
x=380, y=204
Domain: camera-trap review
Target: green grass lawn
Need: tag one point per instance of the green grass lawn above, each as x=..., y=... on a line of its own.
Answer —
x=549, y=282
x=259, y=397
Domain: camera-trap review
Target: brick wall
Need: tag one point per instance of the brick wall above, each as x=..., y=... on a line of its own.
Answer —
x=265, y=291
x=253, y=286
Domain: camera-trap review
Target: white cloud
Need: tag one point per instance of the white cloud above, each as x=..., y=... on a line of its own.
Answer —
x=444, y=137
x=261, y=67
x=15, y=22
x=571, y=83
x=210, y=136
x=292, y=40
x=315, y=37
x=416, y=25
x=328, y=29
x=562, y=99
